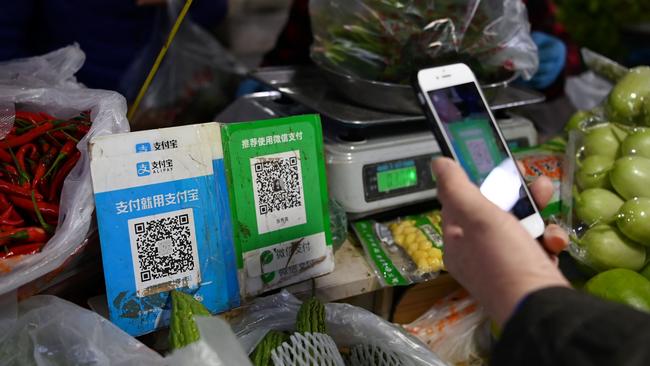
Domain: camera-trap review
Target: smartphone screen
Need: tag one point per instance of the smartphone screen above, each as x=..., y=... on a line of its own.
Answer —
x=479, y=149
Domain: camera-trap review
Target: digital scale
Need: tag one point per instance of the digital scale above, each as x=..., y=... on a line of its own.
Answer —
x=376, y=161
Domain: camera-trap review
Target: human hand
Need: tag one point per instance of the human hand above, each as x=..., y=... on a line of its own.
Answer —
x=552, y=57
x=555, y=239
x=487, y=250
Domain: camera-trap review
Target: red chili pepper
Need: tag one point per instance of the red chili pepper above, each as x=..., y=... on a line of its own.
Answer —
x=32, y=117
x=24, y=234
x=57, y=183
x=25, y=249
x=5, y=156
x=47, y=209
x=9, y=188
x=20, y=155
x=42, y=129
x=42, y=167
x=11, y=171
x=45, y=146
x=45, y=116
x=11, y=217
x=23, y=177
x=67, y=148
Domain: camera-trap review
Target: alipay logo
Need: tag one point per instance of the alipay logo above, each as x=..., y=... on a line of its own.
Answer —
x=142, y=147
x=143, y=168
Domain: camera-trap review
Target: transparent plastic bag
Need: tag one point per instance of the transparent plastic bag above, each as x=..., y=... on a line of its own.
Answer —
x=456, y=328
x=108, y=115
x=195, y=81
x=587, y=90
x=404, y=251
x=47, y=330
x=387, y=40
x=606, y=173
x=56, y=68
x=348, y=325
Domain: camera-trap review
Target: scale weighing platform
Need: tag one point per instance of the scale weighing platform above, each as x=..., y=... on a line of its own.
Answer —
x=376, y=161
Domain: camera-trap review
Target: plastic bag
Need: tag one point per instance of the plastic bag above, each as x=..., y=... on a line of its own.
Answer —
x=46, y=330
x=348, y=325
x=587, y=90
x=217, y=346
x=456, y=329
x=604, y=186
x=196, y=79
x=56, y=68
x=388, y=40
x=108, y=113
x=404, y=251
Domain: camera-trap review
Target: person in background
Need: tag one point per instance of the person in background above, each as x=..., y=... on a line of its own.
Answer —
x=558, y=56
x=517, y=281
x=110, y=32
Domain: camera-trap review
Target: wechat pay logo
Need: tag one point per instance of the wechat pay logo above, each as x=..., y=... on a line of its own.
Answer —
x=266, y=257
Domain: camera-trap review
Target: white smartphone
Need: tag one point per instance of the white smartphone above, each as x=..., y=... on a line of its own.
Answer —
x=467, y=132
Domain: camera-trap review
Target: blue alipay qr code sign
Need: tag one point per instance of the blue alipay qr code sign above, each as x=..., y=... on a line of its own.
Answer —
x=143, y=168
x=142, y=147
x=158, y=237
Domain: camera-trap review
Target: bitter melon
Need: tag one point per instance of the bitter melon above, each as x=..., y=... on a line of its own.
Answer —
x=261, y=356
x=311, y=317
x=183, y=329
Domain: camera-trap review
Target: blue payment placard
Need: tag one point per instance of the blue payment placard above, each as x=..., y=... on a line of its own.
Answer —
x=164, y=223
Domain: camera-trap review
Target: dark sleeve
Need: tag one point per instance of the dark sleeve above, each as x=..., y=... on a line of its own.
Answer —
x=560, y=326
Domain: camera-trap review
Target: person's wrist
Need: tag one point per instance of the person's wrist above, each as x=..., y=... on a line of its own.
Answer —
x=516, y=291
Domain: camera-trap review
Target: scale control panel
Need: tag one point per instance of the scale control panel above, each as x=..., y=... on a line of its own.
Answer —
x=397, y=177
x=384, y=172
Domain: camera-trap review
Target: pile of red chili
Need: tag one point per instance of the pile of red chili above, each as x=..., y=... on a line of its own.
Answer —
x=35, y=158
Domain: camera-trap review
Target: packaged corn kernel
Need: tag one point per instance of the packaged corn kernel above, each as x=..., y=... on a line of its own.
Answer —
x=404, y=251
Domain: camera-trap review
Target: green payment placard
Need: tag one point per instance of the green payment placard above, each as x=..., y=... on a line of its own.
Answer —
x=276, y=172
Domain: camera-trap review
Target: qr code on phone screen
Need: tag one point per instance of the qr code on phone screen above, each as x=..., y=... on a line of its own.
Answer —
x=164, y=252
x=278, y=191
x=481, y=155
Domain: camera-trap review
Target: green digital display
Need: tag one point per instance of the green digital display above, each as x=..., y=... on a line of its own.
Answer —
x=397, y=178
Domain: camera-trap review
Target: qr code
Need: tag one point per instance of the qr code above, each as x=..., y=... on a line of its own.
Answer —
x=164, y=252
x=278, y=190
x=481, y=155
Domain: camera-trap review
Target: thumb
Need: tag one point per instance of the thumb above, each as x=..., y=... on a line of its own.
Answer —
x=455, y=191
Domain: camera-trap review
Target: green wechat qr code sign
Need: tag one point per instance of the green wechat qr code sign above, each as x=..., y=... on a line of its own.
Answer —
x=276, y=171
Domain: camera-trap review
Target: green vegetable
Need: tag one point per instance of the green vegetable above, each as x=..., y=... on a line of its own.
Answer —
x=578, y=121
x=597, y=205
x=630, y=176
x=311, y=317
x=386, y=40
x=593, y=172
x=625, y=102
x=634, y=220
x=606, y=248
x=603, y=140
x=645, y=272
x=623, y=286
x=183, y=329
x=637, y=143
x=261, y=356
